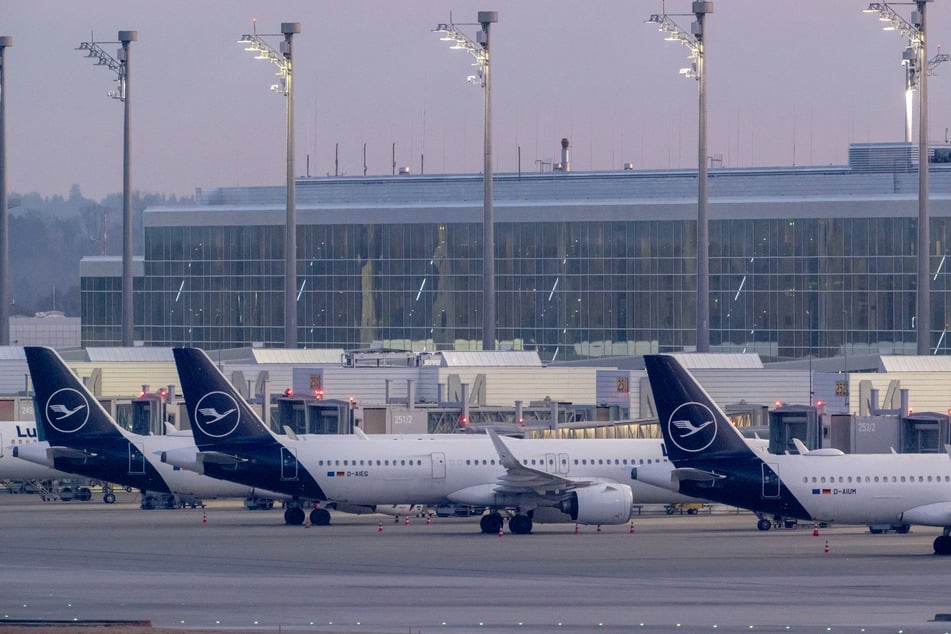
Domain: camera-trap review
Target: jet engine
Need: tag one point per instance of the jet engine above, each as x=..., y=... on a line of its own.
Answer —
x=606, y=503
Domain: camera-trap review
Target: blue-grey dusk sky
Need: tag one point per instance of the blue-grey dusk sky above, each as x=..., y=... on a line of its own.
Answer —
x=789, y=83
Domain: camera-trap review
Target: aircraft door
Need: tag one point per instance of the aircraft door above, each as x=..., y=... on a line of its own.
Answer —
x=439, y=465
x=770, y=481
x=551, y=463
x=136, y=459
x=563, y=463
x=288, y=463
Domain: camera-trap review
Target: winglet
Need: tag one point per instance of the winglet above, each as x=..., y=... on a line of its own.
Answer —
x=800, y=446
x=505, y=456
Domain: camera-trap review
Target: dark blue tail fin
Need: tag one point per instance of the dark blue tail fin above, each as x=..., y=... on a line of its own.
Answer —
x=65, y=410
x=694, y=427
x=219, y=415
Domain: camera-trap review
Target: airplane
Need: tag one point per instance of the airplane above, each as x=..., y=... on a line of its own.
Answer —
x=78, y=436
x=13, y=434
x=586, y=481
x=709, y=459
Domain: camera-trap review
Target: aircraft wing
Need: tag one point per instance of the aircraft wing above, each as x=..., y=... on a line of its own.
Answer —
x=519, y=478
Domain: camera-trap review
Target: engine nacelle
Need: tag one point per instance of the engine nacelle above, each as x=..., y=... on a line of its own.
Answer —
x=600, y=504
x=937, y=514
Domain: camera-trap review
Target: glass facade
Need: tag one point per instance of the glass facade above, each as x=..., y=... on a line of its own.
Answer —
x=787, y=280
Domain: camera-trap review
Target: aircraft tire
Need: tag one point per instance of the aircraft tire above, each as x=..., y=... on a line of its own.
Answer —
x=520, y=525
x=320, y=517
x=491, y=523
x=109, y=498
x=903, y=529
x=942, y=545
x=294, y=516
x=764, y=524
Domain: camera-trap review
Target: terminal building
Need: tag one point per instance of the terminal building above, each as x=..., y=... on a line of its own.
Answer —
x=804, y=262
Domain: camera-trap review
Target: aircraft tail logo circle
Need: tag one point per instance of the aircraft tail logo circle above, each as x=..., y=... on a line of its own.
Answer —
x=217, y=414
x=692, y=427
x=67, y=410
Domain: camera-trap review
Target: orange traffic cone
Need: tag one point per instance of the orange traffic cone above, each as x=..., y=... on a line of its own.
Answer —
x=815, y=529
x=407, y=520
x=380, y=529
x=204, y=517
x=429, y=519
x=500, y=530
x=632, y=528
x=827, y=547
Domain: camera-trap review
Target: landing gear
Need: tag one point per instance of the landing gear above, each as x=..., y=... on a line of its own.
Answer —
x=491, y=523
x=109, y=498
x=294, y=516
x=942, y=543
x=320, y=517
x=764, y=524
x=520, y=525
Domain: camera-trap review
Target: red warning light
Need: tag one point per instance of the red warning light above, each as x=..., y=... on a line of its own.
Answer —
x=464, y=420
x=777, y=404
x=289, y=392
x=819, y=403
x=521, y=421
x=163, y=392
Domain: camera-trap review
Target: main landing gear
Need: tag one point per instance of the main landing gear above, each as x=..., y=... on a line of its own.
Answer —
x=491, y=524
x=295, y=515
x=942, y=543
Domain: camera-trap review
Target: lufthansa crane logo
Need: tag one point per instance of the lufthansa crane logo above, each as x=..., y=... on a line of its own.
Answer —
x=67, y=410
x=692, y=427
x=217, y=414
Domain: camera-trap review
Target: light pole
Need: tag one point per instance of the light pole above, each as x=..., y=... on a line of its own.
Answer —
x=6, y=42
x=480, y=50
x=694, y=41
x=121, y=68
x=909, y=58
x=283, y=60
x=915, y=31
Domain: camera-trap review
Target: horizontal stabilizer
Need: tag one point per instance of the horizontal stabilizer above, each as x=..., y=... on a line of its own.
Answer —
x=696, y=475
x=217, y=457
x=69, y=453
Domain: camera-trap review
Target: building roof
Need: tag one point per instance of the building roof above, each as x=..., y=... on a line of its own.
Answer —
x=491, y=358
x=914, y=363
x=302, y=356
x=134, y=354
x=693, y=360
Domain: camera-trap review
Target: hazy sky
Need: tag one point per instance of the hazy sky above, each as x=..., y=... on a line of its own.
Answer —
x=788, y=83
